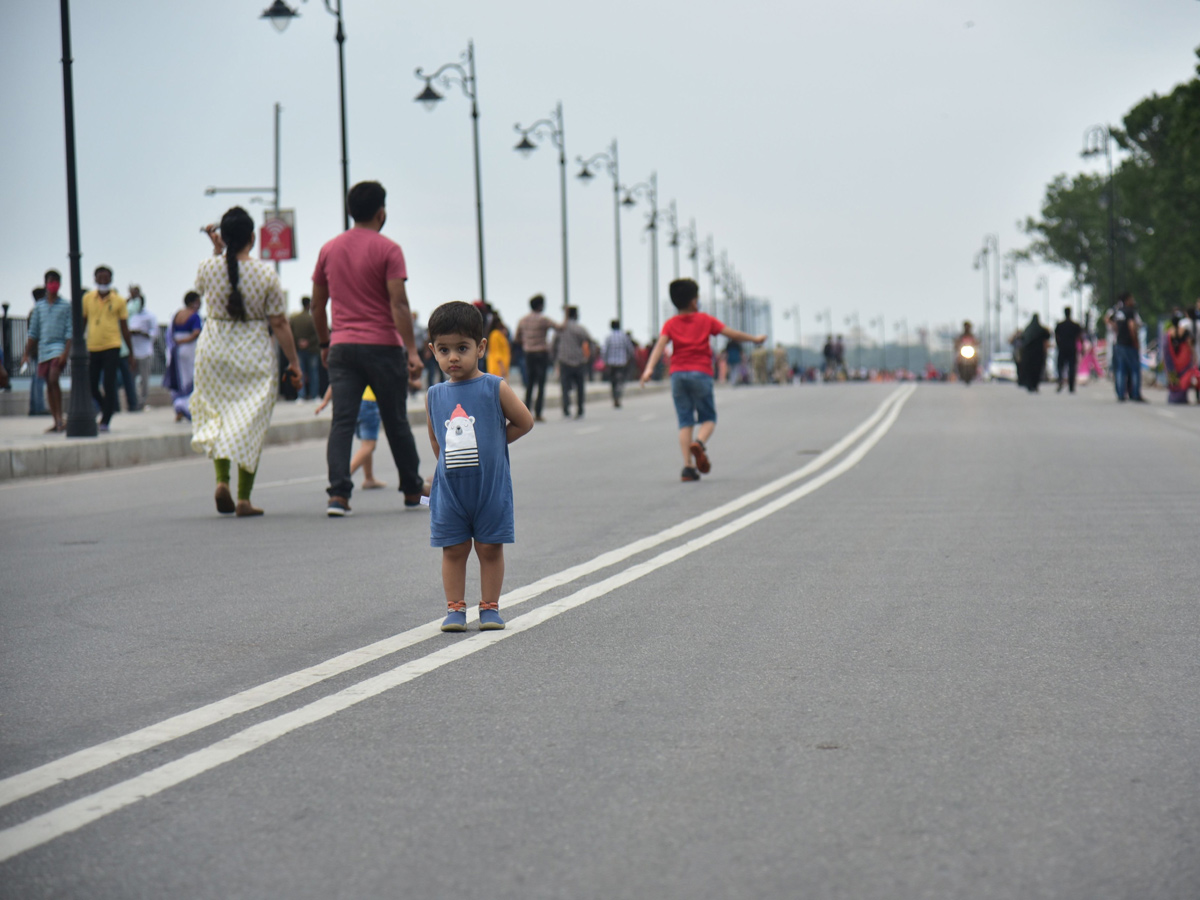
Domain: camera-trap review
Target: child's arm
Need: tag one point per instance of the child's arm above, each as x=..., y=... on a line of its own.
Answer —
x=437, y=450
x=734, y=335
x=655, y=355
x=520, y=419
x=324, y=400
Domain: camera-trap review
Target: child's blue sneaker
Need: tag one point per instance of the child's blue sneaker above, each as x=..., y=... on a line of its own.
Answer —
x=489, y=620
x=456, y=620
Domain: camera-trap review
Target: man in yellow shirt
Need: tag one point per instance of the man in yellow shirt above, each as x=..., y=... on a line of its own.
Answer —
x=107, y=321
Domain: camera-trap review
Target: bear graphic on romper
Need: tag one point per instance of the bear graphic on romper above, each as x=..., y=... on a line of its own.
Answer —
x=460, y=447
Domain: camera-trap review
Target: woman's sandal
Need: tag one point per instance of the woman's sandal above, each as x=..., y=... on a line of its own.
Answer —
x=224, y=500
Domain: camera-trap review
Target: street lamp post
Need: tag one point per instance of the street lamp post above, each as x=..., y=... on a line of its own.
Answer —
x=673, y=240
x=280, y=15
x=853, y=319
x=553, y=129
x=882, y=341
x=1097, y=140
x=273, y=191
x=449, y=75
x=693, y=250
x=608, y=159
x=710, y=266
x=1043, y=284
x=649, y=190
x=902, y=325
x=81, y=415
x=1010, y=274
x=793, y=313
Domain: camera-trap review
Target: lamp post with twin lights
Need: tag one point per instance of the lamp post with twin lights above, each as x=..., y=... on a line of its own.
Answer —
x=449, y=75
x=608, y=159
x=649, y=190
x=552, y=129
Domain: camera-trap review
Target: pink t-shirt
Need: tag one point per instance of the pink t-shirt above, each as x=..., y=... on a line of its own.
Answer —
x=356, y=267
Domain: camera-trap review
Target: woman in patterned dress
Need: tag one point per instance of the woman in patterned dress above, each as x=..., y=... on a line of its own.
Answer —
x=236, y=375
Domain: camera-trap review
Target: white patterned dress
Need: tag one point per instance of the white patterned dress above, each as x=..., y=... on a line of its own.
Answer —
x=237, y=376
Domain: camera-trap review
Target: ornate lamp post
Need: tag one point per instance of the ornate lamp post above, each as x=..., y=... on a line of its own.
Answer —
x=608, y=159
x=449, y=75
x=673, y=235
x=273, y=191
x=901, y=325
x=878, y=321
x=1010, y=274
x=649, y=190
x=793, y=313
x=1097, y=140
x=552, y=129
x=280, y=15
x=1044, y=285
x=710, y=266
x=693, y=250
x=853, y=320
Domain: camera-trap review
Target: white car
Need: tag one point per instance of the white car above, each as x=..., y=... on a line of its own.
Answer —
x=1001, y=368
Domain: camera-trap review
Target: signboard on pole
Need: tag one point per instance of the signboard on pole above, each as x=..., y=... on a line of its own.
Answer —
x=277, y=240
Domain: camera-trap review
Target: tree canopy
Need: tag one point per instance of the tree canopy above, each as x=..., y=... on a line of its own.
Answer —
x=1157, y=221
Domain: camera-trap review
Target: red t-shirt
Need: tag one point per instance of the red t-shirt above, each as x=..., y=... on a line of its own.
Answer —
x=356, y=266
x=690, y=347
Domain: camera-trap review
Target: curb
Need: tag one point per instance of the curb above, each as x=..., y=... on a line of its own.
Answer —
x=92, y=455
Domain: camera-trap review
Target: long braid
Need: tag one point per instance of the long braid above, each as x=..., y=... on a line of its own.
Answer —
x=237, y=230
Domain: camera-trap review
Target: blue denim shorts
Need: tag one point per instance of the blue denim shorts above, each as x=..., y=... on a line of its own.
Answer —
x=367, y=427
x=693, y=396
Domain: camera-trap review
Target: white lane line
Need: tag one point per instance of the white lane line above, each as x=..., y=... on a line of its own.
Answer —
x=648, y=417
x=81, y=812
x=590, y=429
x=306, y=479
x=24, y=784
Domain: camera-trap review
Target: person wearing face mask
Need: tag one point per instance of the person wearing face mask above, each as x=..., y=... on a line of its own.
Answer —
x=106, y=318
x=143, y=326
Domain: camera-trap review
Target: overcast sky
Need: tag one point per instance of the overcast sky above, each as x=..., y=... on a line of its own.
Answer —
x=848, y=155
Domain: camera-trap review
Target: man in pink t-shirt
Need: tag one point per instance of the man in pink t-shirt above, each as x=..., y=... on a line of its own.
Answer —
x=361, y=275
x=692, y=371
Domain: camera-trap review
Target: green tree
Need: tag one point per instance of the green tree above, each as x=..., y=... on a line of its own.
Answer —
x=1157, y=186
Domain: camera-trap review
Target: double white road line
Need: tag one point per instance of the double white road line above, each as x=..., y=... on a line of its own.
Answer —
x=71, y=816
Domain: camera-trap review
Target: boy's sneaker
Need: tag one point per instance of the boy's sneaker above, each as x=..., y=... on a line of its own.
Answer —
x=337, y=508
x=456, y=620
x=701, y=457
x=489, y=620
x=689, y=474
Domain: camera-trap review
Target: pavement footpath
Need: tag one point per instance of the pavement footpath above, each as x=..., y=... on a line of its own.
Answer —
x=153, y=435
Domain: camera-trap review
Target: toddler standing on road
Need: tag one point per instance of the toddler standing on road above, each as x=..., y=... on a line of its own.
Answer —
x=472, y=418
x=692, y=371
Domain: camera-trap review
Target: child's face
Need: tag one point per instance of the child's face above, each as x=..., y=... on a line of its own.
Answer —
x=458, y=355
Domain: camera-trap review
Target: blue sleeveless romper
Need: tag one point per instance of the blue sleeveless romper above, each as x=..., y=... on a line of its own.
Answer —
x=471, y=495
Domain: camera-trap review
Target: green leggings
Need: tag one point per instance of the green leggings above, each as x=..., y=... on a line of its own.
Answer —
x=245, y=479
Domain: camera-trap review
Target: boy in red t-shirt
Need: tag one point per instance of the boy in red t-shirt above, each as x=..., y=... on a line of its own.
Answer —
x=692, y=371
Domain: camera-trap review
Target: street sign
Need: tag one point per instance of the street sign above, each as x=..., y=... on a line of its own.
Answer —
x=277, y=240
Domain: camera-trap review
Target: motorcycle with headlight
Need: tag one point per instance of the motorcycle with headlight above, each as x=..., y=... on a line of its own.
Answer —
x=967, y=359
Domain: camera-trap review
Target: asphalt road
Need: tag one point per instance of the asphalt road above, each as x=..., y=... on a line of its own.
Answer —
x=954, y=657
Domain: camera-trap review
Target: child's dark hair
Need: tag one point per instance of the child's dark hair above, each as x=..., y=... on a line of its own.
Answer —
x=455, y=317
x=683, y=292
x=237, y=231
